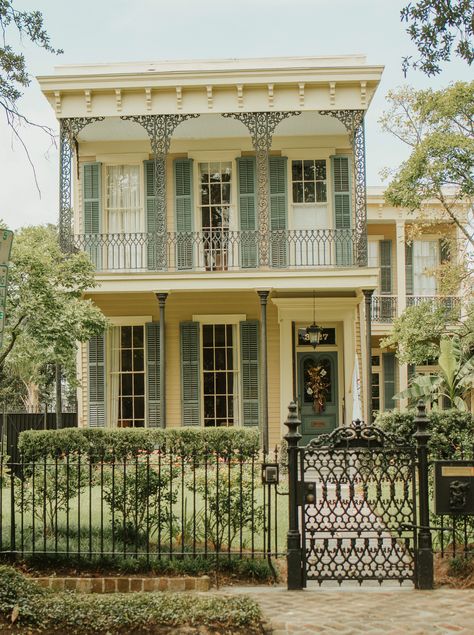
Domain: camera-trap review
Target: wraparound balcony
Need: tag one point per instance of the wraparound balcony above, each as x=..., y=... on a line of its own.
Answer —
x=219, y=250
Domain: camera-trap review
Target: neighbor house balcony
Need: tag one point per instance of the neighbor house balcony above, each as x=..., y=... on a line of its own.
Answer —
x=385, y=307
x=220, y=250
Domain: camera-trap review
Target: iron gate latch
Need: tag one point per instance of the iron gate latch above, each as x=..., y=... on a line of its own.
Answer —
x=306, y=493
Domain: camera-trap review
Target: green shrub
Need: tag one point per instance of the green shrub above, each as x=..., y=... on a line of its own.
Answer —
x=140, y=612
x=452, y=432
x=107, y=444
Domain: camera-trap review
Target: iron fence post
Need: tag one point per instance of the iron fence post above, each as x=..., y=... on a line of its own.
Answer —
x=425, y=576
x=294, y=562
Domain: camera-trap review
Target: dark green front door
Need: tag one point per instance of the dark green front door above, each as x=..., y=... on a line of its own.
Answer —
x=319, y=407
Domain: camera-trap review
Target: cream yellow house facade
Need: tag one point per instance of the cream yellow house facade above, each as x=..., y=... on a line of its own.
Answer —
x=224, y=205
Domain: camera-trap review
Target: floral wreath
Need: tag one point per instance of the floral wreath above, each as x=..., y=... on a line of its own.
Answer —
x=317, y=385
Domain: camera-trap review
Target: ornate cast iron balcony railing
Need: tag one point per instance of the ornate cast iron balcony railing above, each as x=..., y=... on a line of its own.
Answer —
x=219, y=250
x=448, y=302
x=384, y=308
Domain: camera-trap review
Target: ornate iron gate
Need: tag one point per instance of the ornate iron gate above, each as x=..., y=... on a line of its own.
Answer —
x=353, y=507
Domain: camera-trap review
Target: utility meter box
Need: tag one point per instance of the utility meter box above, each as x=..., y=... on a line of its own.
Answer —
x=454, y=488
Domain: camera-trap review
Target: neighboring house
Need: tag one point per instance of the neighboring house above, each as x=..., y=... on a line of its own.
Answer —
x=224, y=206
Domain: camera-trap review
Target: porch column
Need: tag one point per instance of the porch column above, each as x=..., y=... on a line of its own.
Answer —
x=69, y=128
x=401, y=301
x=261, y=126
x=263, y=295
x=160, y=129
x=353, y=121
x=368, y=338
x=161, y=301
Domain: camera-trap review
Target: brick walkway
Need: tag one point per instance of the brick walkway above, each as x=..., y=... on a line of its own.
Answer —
x=366, y=611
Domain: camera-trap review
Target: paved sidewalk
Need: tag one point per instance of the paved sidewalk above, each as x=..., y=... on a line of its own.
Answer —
x=369, y=611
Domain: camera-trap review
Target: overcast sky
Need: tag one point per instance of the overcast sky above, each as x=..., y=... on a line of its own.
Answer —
x=145, y=30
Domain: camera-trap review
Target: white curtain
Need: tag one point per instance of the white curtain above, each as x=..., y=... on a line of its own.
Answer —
x=425, y=258
x=124, y=216
x=113, y=366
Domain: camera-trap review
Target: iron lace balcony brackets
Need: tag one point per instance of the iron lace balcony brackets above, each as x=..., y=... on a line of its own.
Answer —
x=160, y=129
x=261, y=126
x=69, y=128
x=353, y=121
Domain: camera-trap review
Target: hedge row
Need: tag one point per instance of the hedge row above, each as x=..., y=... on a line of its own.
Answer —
x=45, y=610
x=106, y=444
x=452, y=431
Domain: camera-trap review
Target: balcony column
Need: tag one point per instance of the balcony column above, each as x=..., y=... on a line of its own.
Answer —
x=160, y=129
x=401, y=302
x=353, y=121
x=263, y=295
x=69, y=128
x=368, y=339
x=161, y=301
x=261, y=126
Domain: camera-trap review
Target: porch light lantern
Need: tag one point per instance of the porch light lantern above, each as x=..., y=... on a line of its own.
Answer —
x=314, y=332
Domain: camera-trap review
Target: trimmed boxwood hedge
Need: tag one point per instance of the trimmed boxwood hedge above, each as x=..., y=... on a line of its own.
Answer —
x=106, y=444
x=46, y=610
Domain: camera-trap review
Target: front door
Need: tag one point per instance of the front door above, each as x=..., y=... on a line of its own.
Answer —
x=317, y=393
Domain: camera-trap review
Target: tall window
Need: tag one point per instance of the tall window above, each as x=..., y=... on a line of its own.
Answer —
x=127, y=376
x=219, y=381
x=214, y=205
x=124, y=211
x=309, y=181
x=425, y=260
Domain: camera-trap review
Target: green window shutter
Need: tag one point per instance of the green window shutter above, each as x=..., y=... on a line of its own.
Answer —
x=92, y=216
x=385, y=247
x=278, y=211
x=152, y=330
x=190, y=371
x=444, y=251
x=388, y=364
x=249, y=335
x=409, y=268
x=150, y=213
x=342, y=209
x=96, y=363
x=246, y=176
x=183, y=184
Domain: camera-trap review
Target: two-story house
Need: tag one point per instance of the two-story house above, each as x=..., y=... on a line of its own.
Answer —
x=224, y=206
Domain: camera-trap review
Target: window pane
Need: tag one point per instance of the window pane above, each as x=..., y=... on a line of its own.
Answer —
x=320, y=170
x=126, y=360
x=309, y=192
x=230, y=363
x=139, y=404
x=220, y=359
x=209, y=407
x=138, y=360
x=139, y=384
x=321, y=195
x=220, y=383
x=127, y=408
x=297, y=192
x=208, y=383
x=226, y=172
x=226, y=193
x=126, y=336
x=216, y=193
x=215, y=171
x=206, y=217
x=220, y=335
x=138, y=337
x=126, y=384
x=205, y=194
x=204, y=169
x=221, y=407
x=208, y=359
x=297, y=171
x=308, y=170
x=207, y=334
x=229, y=334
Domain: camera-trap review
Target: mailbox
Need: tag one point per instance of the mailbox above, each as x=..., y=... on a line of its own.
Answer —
x=454, y=488
x=270, y=474
x=306, y=494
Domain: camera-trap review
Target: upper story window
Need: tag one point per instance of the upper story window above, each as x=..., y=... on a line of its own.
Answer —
x=214, y=204
x=309, y=181
x=425, y=261
x=124, y=211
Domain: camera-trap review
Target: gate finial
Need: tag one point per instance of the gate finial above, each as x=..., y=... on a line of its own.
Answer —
x=292, y=423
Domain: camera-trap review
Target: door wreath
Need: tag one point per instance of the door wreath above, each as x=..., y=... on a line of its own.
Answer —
x=317, y=385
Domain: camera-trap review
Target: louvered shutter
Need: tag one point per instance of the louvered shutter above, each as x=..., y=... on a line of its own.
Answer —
x=388, y=364
x=190, y=370
x=247, y=212
x=444, y=251
x=342, y=210
x=249, y=334
x=150, y=211
x=91, y=195
x=278, y=211
x=385, y=247
x=183, y=183
x=96, y=376
x=152, y=330
x=409, y=268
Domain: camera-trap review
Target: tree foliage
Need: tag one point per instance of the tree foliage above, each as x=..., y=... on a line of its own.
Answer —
x=439, y=28
x=14, y=76
x=46, y=314
x=439, y=128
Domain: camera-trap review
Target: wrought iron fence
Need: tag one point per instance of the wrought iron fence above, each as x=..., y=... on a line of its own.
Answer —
x=219, y=250
x=156, y=505
x=384, y=308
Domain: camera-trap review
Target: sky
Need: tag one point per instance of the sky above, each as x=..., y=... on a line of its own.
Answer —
x=146, y=30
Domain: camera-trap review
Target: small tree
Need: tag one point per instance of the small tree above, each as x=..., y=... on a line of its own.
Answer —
x=46, y=314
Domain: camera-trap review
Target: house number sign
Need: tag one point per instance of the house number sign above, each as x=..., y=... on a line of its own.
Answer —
x=328, y=337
